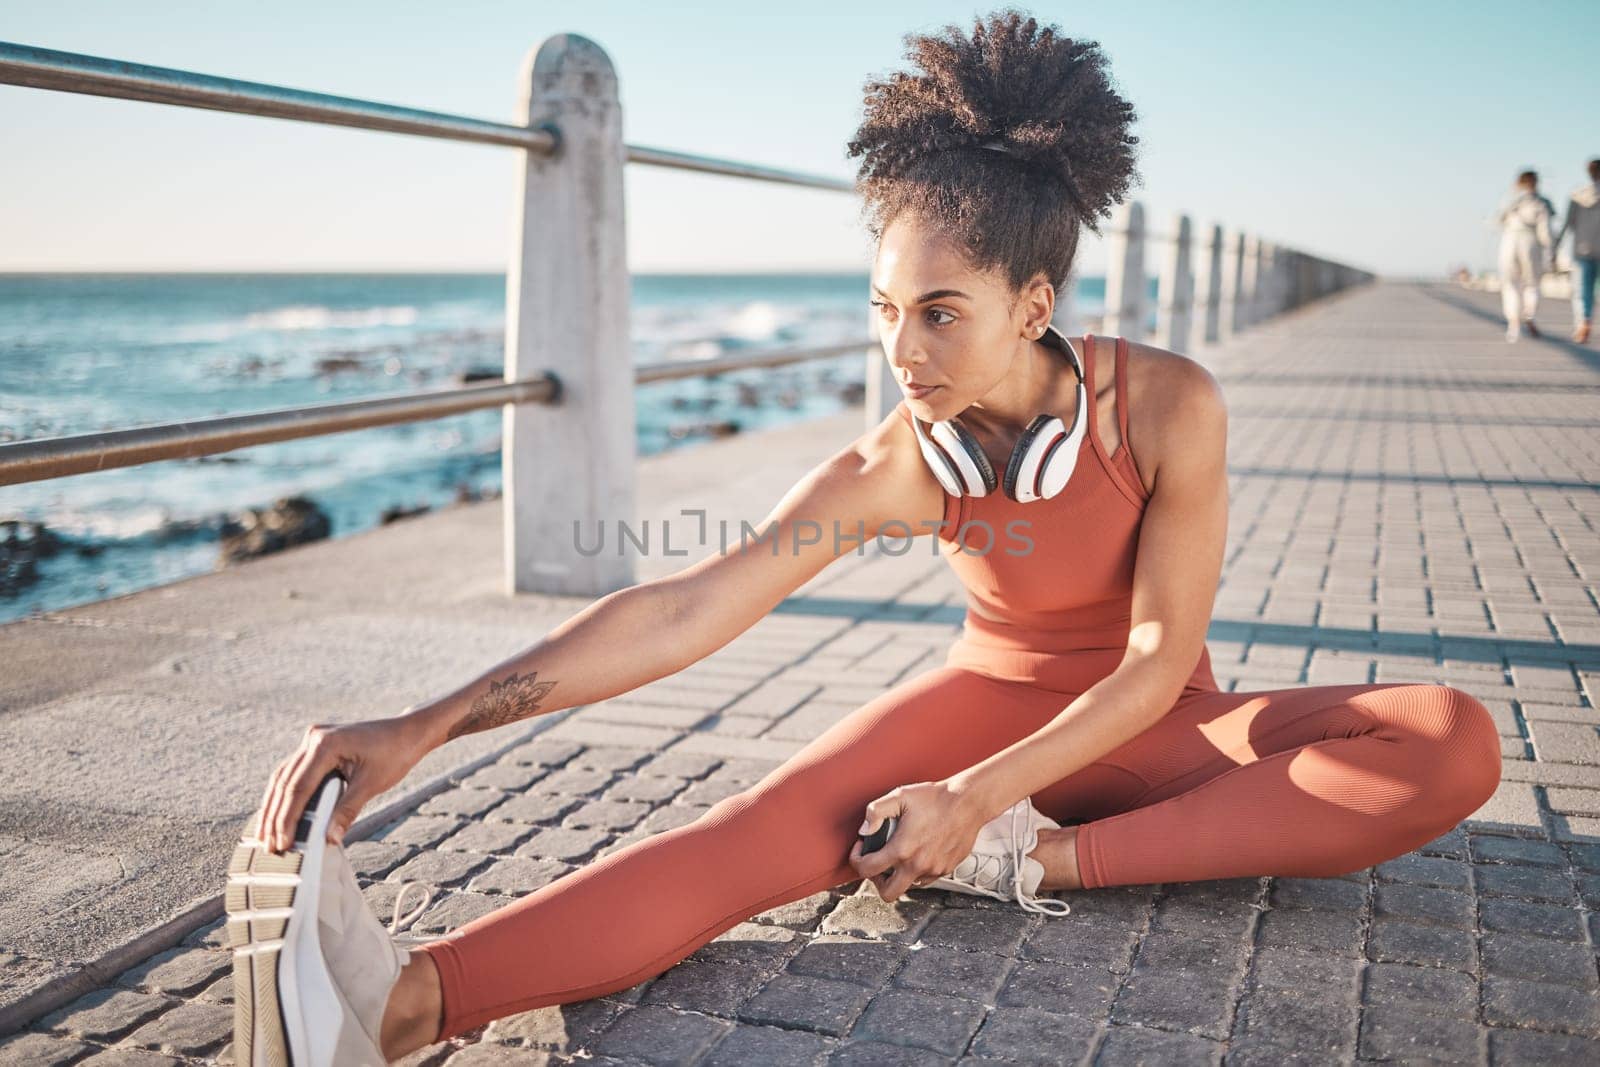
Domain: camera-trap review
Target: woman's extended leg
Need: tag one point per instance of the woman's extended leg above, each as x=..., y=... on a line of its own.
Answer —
x=639, y=910
x=1313, y=781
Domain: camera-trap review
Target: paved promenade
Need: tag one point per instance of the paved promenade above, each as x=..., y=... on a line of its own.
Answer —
x=1412, y=499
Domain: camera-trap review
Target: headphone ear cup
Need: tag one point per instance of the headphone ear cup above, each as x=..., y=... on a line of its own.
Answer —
x=943, y=467
x=969, y=445
x=1019, y=454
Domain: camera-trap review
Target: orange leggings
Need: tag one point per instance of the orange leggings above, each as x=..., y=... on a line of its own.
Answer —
x=1312, y=782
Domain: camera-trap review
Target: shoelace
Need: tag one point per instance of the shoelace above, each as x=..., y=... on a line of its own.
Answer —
x=991, y=872
x=1036, y=904
x=397, y=924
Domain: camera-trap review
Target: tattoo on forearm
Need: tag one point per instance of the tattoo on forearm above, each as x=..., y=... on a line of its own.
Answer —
x=515, y=698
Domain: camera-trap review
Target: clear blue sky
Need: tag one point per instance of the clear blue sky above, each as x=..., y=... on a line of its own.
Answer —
x=1380, y=133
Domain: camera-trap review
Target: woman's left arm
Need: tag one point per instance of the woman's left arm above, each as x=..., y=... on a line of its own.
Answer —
x=1181, y=541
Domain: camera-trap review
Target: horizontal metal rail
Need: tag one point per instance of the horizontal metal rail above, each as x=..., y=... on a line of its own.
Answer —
x=55, y=457
x=71, y=72
x=694, y=368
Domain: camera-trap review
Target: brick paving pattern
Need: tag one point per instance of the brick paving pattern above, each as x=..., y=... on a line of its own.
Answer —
x=1412, y=499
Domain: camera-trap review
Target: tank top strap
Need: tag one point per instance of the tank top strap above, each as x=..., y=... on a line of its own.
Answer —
x=1122, y=393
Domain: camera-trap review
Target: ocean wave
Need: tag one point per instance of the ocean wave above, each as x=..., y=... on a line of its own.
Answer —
x=299, y=317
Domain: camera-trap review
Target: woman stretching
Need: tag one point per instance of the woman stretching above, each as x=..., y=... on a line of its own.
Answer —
x=1078, y=488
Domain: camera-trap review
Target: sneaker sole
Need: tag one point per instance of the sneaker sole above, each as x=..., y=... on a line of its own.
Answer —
x=281, y=985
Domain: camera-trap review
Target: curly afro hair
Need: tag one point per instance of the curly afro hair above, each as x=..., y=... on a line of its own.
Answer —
x=1045, y=97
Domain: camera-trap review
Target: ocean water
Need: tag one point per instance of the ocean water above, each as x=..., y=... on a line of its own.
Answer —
x=80, y=353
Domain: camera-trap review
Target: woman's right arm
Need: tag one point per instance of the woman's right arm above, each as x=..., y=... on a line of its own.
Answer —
x=632, y=636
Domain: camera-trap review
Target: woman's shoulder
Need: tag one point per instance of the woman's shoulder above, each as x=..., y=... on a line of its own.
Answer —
x=1166, y=390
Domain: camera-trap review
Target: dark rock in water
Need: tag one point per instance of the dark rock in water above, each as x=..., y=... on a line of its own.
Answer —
x=479, y=374
x=853, y=393
x=334, y=364
x=467, y=494
x=400, y=511
x=22, y=545
x=749, y=395
x=713, y=428
x=289, y=521
x=789, y=398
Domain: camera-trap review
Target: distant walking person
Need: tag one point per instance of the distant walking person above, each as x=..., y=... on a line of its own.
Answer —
x=1583, y=220
x=1525, y=247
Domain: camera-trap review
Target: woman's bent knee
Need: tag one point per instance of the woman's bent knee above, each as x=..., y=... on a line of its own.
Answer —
x=1464, y=764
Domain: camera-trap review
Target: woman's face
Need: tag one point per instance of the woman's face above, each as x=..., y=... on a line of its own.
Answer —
x=944, y=324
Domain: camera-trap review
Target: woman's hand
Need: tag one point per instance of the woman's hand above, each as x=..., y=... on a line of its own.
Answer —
x=372, y=755
x=936, y=830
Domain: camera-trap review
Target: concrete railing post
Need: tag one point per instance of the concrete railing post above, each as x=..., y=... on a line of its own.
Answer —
x=1125, y=280
x=568, y=468
x=1245, y=308
x=1208, y=283
x=1175, y=290
x=1232, y=266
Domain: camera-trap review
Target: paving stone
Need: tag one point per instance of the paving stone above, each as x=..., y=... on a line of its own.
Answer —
x=849, y=959
x=803, y=914
x=440, y=868
x=768, y=1046
x=1320, y=893
x=105, y=1015
x=1128, y=1046
x=611, y=815
x=681, y=765
x=766, y=946
x=1412, y=988
x=973, y=975
x=977, y=931
x=507, y=777
x=1414, y=903
x=1491, y=848
x=178, y=972
x=651, y=789
x=487, y=837
x=563, y=843
x=42, y=1050
x=712, y=989
x=534, y=808
x=1520, y=1047
x=878, y=1054
x=563, y=1028
x=419, y=831
x=657, y=1034
x=824, y=1005
x=902, y=1017
x=574, y=781
x=544, y=752
x=186, y=1030
x=711, y=791
x=1395, y=941
x=1540, y=1006
x=1028, y=1035
x=1391, y=1033
x=1064, y=988
x=518, y=876
x=1518, y=956
x=1416, y=869
x=1525, y=917
x=1331, y=933
x=1531, y=883
x=461, y=803
x=374, y=859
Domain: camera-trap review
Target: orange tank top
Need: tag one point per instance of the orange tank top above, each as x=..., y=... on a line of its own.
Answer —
x=1049, y=584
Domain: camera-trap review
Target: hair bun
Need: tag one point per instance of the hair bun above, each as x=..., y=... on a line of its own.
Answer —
x=1047, y=98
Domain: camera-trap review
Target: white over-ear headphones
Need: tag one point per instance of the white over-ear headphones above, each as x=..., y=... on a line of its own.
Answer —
x=1041, y=462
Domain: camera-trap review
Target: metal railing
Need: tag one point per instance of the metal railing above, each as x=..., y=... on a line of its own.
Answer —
x=566, y=346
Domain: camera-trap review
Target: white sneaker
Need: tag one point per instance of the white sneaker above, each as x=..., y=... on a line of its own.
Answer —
x=312, y=966
x=1001, y=851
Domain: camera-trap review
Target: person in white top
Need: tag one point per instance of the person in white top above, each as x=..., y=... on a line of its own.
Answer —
x=1525, y=248
x=1583, y=220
